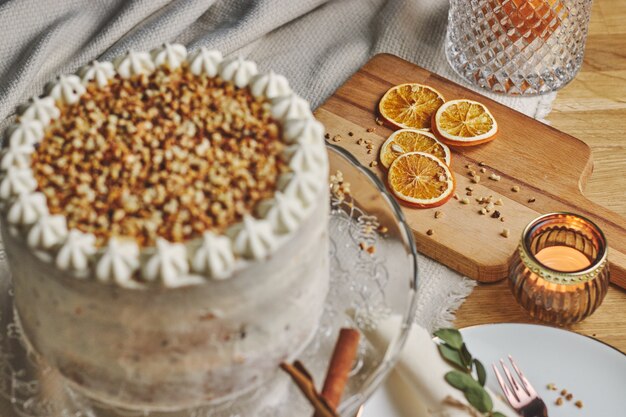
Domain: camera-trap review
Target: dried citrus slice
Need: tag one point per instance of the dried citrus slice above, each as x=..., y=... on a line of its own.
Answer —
x=410, y=105
x=411, y=140
x=420, y=179
x=464, y=123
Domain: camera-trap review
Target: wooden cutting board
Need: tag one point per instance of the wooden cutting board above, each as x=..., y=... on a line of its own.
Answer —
x=547, y=165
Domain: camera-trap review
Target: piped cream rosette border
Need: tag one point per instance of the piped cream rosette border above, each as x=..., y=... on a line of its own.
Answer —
x=169, y=264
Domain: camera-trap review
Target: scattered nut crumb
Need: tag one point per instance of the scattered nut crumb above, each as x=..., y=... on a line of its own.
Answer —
x=430, y=232
x=455, y=196
x=359, y=141
x=515, y=189
x=483, y=170
x=470, y=188
x=369, y=146
x=370, y=129
x=465, y=200
x=499, y=202
x=482, y=211
x=327, y=136
x=362, y=245
x=469, y=193
x=471, y=173
x=350, y=134
x=468, y=166
x=505, y=233
x=438, y=214
x=551, y=386
x=369, y=151
x=374, y=163
x=489, y=207
x=502, y=219
x=531, y=200
x=559, y=401
x=579, y=404
x=481, y=164
x=569, y=397
x=494, y=177
x=383, y=229
x=337, y=138
x=476, y=179
x=564, y=392
x=371, y=249
x=379, y=122
x=495, y=214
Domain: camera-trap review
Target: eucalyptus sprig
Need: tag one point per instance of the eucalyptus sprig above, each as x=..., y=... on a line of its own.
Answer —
x=470, y=376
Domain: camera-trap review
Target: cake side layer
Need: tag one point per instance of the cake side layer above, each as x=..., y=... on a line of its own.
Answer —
x=169, y=348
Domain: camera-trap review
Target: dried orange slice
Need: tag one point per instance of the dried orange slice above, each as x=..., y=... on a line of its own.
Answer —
x=421, y=180
x=464, y=123
x=410, y=105
x=412, y=140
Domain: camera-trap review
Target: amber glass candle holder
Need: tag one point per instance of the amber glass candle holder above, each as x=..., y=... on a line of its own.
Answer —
x=560, y=273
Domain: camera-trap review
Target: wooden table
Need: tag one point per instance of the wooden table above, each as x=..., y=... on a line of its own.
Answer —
x=591, y=108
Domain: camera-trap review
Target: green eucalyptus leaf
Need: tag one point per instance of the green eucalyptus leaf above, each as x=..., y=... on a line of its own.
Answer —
x=451, y=355
x=480, y=372
x=478, y=398
x=497, y=414
x=451, y=336
x=466, y=357
x=460, y=380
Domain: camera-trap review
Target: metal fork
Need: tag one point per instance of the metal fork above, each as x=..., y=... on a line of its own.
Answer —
x=522, y=396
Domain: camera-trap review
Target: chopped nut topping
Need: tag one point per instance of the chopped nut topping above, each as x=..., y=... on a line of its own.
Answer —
x=337, y=138
x=476, y=179
x=579, y=404
x=482, y=164
x=379, y=122
x=505, y=233
x=430, y=232
x=569, y=397
x=482, y=211
x=531, y=200
x=370, y=129
x=559, y=401
x=515, y=188
x=383, y=229
x=438, y=214
x=465, y=200
x=350, y=134
x=483, y=170
x=373, y=163
x=327, y=135
x=495, y=214
x=494, y=177
x=169, y=154
x=499, y=202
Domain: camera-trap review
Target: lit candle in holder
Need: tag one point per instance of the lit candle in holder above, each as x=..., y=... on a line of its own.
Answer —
x=560, y=272
x=562, y=258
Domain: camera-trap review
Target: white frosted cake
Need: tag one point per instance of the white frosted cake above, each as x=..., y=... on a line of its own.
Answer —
x=165, y=218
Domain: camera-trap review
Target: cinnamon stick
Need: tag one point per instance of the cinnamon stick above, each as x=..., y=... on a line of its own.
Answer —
x=339, y=368
x=305, y=383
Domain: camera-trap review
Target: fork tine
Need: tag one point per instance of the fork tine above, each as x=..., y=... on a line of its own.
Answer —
x=514, y=386
x=511, y=398
x=527, y=386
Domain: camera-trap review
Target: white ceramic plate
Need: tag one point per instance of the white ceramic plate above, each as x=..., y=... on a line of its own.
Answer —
x=593, y=372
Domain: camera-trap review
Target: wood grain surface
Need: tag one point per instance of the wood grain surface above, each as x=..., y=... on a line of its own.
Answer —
x=592, y=108
x=547, y=166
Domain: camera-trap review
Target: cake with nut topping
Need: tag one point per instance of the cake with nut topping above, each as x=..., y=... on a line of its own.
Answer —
x=165, y=218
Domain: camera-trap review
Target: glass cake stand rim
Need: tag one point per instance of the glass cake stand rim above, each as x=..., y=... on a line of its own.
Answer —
x=351, y=406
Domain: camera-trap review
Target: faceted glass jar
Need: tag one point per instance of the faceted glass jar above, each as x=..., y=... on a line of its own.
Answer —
x=517, y=47
x=553, y=295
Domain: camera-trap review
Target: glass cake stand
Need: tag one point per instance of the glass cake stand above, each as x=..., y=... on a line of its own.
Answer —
x=366, y=285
